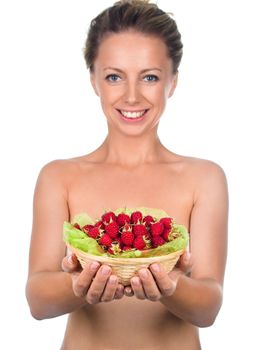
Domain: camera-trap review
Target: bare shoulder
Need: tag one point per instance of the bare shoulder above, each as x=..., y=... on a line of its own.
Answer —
x=64, y=168
x=201, y=176
x=208, y=173
x=62, y=164
x=54, y=167
x=201, y=169
x=209, y=183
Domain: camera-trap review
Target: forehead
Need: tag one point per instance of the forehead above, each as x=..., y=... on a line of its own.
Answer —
x=132, y=49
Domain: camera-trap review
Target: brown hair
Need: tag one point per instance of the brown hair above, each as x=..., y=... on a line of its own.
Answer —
x=138, y=15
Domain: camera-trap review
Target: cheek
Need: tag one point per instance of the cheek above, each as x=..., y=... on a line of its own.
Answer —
x=109, y=94
x=157, y=95
x=162, y=96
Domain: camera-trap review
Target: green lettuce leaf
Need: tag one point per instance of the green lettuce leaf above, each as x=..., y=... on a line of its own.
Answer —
x=83, y=219
x=80, y=240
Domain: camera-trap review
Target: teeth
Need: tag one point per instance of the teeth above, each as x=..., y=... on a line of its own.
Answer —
x=133, y=114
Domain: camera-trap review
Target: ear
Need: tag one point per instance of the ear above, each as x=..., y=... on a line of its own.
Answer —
x=93, y=82
x=173, y=84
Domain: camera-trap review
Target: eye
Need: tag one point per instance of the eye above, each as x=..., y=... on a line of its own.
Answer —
x=112, y=77
x=151, y=78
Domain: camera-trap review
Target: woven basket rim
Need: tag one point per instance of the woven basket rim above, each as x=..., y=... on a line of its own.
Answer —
x=125, y=261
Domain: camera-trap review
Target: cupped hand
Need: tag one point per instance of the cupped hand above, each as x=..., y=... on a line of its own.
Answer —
x=154, y=283
x=94, y=282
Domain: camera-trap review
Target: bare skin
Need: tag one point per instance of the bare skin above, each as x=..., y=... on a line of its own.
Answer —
x=131, y=168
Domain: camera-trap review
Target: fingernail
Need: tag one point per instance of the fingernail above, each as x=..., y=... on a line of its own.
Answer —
x=135, y=281
x=120, y=288
x=94, y=266
x=144, y=273
x=105, y=270
x=155, y=267
x=113, y=279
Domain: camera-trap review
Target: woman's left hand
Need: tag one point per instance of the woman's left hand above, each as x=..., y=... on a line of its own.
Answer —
x=154, y=283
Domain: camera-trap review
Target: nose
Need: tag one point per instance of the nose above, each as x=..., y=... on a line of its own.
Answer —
x=132, y=93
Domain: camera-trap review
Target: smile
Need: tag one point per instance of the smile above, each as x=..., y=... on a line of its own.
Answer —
x=133, y=115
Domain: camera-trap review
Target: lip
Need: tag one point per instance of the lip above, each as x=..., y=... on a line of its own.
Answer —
x=134, y=120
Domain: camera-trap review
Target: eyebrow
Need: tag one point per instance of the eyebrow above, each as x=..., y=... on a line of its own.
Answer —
x=142, y=71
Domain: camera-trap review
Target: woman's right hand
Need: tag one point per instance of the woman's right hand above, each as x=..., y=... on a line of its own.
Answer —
x=95, y=283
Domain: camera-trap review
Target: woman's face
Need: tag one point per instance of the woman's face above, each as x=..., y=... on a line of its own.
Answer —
x=133, y=77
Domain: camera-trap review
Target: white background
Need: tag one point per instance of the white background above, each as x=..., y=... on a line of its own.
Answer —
x=49, y=111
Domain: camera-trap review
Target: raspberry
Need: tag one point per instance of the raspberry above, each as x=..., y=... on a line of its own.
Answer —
x=105, y=240
x=127, y=238
x=136, y=217
x=94, y=232
x=157, y=241
x=112, y=229
x=157, y=228
x=148, y=219
x=100, y=224
x=166, y=222
x=139, y=243
x=139, y=229
x=86, y=228
x=166, y=234
x=142, y=242
x=122, y=218
x=108, y=216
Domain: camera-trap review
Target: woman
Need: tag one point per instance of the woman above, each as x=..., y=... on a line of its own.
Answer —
x=133, y=51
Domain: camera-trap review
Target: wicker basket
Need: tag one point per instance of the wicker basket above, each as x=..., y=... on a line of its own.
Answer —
x=126, y=268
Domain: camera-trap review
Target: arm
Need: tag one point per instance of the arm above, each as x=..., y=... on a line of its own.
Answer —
x=48, y=290
x=50, y=294
x=196, y=299
x=199, y=298
x=51, y=291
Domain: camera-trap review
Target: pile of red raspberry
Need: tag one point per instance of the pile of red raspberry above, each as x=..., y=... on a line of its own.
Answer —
x=117, y=233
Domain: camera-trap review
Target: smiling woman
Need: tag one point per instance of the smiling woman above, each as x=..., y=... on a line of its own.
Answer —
x=133, y=51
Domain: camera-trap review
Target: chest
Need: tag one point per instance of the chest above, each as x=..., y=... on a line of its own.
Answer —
x=103, y=188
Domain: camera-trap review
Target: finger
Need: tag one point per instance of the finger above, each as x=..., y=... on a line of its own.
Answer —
x=165, y=284
x=97, y=287
x=83, y=280
x=150, y=287
x=185, y=263
x=128, y=291
x=110, y=289
x=137, y=288
x=119, y=291
x=70, y=263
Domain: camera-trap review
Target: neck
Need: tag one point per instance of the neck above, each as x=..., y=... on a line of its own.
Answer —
x=131, y=151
